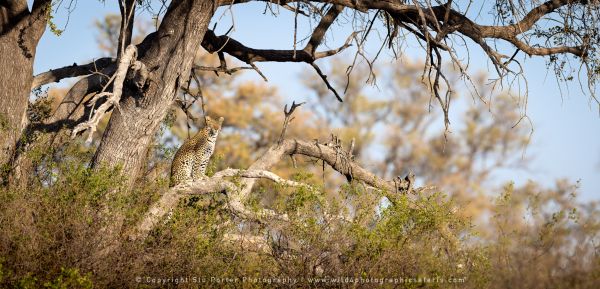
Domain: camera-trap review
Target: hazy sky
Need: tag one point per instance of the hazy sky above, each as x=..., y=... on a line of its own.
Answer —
x=565, y=142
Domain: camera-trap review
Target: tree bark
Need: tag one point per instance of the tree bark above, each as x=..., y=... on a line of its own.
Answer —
x=20, y=32
x=169, y=56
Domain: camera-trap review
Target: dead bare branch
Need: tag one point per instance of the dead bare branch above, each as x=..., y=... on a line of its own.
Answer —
x=128, y=59
x=215, y=184
x=288, y=118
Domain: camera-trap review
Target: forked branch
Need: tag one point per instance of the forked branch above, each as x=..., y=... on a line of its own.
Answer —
x=128, y=59
x=225, y=44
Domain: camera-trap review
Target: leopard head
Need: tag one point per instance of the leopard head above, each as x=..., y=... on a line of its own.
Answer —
x=213, y=126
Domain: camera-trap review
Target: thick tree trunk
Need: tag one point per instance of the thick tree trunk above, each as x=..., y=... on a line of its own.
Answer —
x=168, y=55
x=20, y=32
x=169, y=58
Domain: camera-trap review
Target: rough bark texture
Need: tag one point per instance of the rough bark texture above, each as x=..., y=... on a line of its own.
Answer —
x=53, y=132
x=168, y=55
x=20, y=31
x=169, y=59
x=55, y=75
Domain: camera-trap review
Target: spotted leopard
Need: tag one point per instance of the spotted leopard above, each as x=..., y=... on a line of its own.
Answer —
x=192, y=157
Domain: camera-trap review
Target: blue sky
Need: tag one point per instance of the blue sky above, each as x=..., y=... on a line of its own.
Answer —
x=565, y=142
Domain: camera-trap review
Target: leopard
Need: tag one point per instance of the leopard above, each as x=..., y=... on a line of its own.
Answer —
x=191, y=159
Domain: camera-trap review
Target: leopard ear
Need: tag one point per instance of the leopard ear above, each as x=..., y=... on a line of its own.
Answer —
x=221, y=119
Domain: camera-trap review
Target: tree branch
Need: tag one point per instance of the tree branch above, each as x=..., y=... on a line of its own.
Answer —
x=213, y=43
x=128, y=59
x=288, y=118
x=215, y=184
x=319, y=33
x=127, y=9
x=258, y=174
x=458, y=21
x=56, y=75
x=224, y=43
x=74, y=105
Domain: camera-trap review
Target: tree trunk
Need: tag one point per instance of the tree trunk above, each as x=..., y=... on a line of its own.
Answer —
x=169, y=57
x=20, y=31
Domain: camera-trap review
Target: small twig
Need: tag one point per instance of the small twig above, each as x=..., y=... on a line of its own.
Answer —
x=351, y=150
x=185, y=105
x=258, y=71
x=512, y=57
x=295, y=10
x=331, y=52
x=295, y=32
x=225, y=70
x=294, y=162
x=288, y=119
x=222, y=61
x=199, y=94
x=324, y=78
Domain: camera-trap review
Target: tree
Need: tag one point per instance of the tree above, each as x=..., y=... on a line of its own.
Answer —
x=142, y=83
x=20, y=31
x=435, y=26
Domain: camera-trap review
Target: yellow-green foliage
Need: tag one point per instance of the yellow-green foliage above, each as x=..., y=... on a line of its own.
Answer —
x=51, y=23
x=70, y=278
x=50, y=226
x=47, y=227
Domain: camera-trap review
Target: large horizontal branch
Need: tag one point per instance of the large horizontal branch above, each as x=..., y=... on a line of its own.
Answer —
x=237, y=195
x=258, y=174
x=225, y=44
x=213, y=43
x=215, y=184
x=56, y=75
x=436, y=15
x=319, y=151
